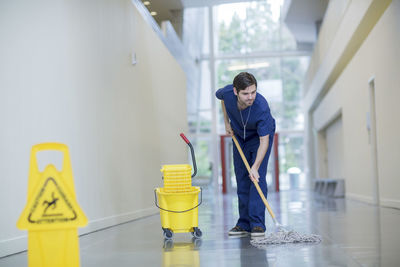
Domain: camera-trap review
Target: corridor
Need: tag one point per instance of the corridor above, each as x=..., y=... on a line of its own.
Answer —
x=354, y=234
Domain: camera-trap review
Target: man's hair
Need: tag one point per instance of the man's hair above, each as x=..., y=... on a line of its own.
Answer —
x=244, y=80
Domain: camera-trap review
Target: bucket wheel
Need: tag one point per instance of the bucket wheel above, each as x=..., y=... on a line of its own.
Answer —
x=197, y=232
x=167, y=233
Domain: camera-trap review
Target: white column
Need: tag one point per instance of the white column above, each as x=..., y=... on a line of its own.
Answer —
x=214, y=137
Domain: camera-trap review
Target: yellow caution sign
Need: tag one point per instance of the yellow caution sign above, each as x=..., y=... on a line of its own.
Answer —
x=52, y=214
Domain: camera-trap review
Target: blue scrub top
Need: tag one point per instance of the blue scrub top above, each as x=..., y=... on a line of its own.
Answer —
x=260, y=123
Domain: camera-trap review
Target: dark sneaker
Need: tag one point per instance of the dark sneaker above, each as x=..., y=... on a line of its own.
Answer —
x=237, y=230
x=257, y=231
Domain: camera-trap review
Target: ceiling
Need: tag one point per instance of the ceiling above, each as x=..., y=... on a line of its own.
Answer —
x=164, y=7
x=302, y=17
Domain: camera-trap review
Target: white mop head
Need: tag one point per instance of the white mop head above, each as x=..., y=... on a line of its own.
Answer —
x=283, y=236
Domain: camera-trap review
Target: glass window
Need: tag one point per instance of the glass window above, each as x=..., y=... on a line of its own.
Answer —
x=203, y=160
x=248, y=36
x=247, y=27
x=291, y=113
x=291, y=160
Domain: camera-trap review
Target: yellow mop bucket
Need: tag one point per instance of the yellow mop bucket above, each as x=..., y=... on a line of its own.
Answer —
x=178, y=201
x=178, y=211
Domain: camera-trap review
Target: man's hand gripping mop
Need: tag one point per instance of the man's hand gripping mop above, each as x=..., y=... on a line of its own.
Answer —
x=281, y=235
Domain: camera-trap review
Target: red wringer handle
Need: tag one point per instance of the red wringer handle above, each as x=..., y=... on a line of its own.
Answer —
x=192, y=152
x=184, y=138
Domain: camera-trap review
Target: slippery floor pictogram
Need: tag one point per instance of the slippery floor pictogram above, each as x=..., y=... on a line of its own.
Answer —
x=51, y=205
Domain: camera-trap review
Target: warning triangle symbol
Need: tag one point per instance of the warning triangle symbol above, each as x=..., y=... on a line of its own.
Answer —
x=51, y=205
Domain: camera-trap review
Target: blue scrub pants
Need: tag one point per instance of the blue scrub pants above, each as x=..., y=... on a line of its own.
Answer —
x=251, y=206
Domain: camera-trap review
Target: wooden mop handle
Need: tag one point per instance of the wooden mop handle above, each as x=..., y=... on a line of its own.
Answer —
x=254, y=182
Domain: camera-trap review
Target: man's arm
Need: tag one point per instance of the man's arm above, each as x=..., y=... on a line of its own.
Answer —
x=261, y=151
x=228, y=127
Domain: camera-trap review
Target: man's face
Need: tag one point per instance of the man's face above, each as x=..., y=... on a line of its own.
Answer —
x=247, y=96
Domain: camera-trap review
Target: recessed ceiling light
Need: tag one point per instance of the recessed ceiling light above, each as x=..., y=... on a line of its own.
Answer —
x=146, y=3
x=153, y=13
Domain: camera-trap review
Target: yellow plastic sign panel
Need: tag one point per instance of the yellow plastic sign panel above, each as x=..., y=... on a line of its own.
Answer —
x=53, y=248
x=51, y=202
x=52, y=214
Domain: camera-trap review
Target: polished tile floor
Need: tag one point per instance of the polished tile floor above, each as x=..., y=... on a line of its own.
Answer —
x=354, y=234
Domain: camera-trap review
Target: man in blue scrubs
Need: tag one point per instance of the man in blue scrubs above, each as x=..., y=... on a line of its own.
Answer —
x=248, y=117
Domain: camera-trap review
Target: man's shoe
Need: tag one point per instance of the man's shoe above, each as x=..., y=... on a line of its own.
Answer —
x=237, y=230
x=257, y=231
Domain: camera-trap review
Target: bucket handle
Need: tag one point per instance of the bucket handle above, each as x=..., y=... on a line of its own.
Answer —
x=175, y=211
x=192, y=152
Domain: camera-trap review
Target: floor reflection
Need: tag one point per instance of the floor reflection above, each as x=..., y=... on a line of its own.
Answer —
x=181, y=253
x=249, y=256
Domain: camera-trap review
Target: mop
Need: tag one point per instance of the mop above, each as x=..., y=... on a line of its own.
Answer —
x=281, y=235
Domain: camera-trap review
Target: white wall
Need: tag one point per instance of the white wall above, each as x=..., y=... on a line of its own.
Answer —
x=66, y=76
x=379, y=57
x=334, y=141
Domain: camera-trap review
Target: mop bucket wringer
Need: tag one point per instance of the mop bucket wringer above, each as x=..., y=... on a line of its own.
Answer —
x=178, y=200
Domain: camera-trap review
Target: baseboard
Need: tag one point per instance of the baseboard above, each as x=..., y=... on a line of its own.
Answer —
x=14, y=245
x=362, y=198
x=384, y=202
x=19, y=244
x=390, y=203
x=95, y=225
